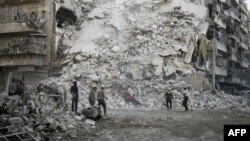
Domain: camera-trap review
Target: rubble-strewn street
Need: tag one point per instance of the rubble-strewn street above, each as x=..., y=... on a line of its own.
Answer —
x=162, y=125
x=136, y=50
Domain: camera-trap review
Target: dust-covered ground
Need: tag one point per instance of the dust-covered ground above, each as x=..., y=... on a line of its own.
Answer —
x=162, y=125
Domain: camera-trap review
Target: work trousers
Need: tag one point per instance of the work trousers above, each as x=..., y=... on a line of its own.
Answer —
x=169, y=104
x=103, y=104
x=91, y=101
x=74, y=104
x=185, y=105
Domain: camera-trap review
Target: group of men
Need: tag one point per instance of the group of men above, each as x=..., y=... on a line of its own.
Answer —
x=169, y=96
x=16, y=87
x=92, y=97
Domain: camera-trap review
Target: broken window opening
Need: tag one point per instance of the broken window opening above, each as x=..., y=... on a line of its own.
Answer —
x=65, y=17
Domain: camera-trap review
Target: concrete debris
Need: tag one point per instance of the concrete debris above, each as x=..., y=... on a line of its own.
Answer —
x=90, y=122
x=115, y=49
x=93, y=113
x=15, y=121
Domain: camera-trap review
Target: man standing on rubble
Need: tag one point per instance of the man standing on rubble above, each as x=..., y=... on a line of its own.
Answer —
x=75, y=96
x=20, y=88
x=92, y=97
x=169, y=97
x=101, y=99
x=185, y=99
x=12, y=87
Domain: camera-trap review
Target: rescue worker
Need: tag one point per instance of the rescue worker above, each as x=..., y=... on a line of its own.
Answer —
x=185, y=99
x=101, y=99
x=75, y=96
x=92, y=97
x=169, y=97
x=20, y=88
x=12, y=87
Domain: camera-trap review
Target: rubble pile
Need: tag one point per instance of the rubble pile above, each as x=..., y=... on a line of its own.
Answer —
x=39, y=115
x=136, y=50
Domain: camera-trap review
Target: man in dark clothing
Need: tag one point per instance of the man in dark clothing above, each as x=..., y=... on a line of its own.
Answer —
x=75, y=96
x=185, y=102
x=12, y=87
x=39, y=88
x=92, y=97
x=169, y=98
x=20, y=88
x=101, y=99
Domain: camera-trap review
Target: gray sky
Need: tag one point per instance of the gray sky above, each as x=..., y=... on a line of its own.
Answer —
x=248, y=3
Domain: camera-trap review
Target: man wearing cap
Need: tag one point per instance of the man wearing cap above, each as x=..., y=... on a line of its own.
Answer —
x=101, y=99
x=92, y=98
x=75, y=96
x=169, y=98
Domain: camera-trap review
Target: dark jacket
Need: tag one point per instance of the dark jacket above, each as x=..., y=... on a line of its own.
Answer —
x=169, y=96
x=185, y=99
x=20, y=89
x=74, y=90
x=12, y=88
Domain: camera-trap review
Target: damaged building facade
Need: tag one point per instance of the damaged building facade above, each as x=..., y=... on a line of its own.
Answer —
x=26, y=39
x=228, y=33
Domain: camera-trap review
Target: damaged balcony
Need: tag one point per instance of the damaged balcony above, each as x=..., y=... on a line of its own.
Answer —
x=244, y=45
x=243, y=42
x=15, y=27
x=221, y=71
x=227, y=3
x=234, y=14
x=233, y=56
x=210, y=2
x=15, y=20
x=221, y=66
x=234, y=37
x=235, y=2
x=243, y=7
x=244, y=27
x=244, y=63
x=29, y=45
x=21, y=60
x=27, y=50
x=221, y=46
x=234, y=76
x=220, y=22
x=234, y=34
x=233, y=80
x=19, y=1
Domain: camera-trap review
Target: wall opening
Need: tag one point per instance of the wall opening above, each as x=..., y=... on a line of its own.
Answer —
x=65, y=17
